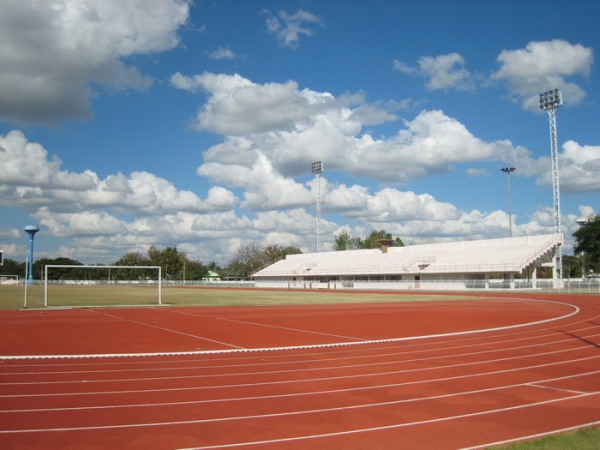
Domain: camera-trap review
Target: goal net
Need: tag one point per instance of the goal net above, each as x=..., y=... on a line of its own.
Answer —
x=9, y=279
x=96, y=285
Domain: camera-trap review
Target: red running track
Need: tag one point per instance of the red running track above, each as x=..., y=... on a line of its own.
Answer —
x=444, y=375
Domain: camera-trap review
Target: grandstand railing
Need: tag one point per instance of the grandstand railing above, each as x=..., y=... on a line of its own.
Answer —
x=575, y=285
x=546, y=247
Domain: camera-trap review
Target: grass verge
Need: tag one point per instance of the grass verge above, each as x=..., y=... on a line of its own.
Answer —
x=13, y=297
x=582, y=439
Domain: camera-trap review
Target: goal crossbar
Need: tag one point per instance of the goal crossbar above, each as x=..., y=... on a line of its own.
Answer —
x=100, y=267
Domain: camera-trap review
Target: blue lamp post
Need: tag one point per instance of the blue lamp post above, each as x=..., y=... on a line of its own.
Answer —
x=31, y=230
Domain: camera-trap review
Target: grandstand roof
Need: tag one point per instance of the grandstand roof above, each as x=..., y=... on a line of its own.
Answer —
x=508, y=255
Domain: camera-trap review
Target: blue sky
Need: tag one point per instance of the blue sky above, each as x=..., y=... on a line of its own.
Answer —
x=126, y=124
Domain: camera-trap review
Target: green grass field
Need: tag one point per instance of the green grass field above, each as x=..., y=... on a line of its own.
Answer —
x=13, y=298
x=583, y=439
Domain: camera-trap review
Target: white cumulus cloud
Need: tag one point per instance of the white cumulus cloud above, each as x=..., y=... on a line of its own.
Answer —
x=544, y=65
x=32, y=178
x=53, y=52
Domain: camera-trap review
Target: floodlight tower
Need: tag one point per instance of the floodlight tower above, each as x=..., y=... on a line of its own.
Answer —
x=316, y=169
x=508, y=171
x=31, y=230
x=550, y=101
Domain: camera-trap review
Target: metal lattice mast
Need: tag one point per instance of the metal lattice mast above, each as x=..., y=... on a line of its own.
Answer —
x=555, y=180
x=550, y=101
x=316, y=168
x=508, y=171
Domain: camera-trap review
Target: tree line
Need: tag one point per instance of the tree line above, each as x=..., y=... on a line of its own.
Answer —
x=175, y=265
x=252, y=257
x=344, y=241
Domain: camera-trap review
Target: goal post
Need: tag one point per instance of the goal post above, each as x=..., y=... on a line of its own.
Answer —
x=142, y=280
x=9, y=279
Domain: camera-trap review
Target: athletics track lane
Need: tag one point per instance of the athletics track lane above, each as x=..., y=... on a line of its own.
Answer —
x=448, y=392
x=165, y=329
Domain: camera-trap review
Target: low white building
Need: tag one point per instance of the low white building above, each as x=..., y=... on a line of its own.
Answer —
x=454, y=265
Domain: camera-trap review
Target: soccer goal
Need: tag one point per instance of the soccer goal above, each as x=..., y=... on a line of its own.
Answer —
x=9, y=279
x=96, y=285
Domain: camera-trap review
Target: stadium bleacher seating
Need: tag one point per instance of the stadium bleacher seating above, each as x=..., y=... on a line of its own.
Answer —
x=492, y=256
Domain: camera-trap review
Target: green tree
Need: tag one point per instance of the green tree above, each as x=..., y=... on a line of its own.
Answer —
x=571, y=266
x=174, y=265
x=170, y=261
x=252, y=257
x=132, y=259
x=371, y=240
x=344, y=241
x=12, y=267
x=58, y=273
x=214, y=267
x=273, y=253
x=194, y=270
x=587, y=239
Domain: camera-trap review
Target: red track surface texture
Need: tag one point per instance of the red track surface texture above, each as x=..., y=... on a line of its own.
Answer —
x=443, y=375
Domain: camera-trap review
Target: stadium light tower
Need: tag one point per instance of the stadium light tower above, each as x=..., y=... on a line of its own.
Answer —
x=508, y=171
x=31, y=230
x=316, y=169
x=550, y=101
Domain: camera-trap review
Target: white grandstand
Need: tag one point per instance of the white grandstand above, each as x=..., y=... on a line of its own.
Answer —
x=467, y=264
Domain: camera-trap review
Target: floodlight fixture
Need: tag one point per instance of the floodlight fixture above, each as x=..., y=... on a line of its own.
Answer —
x=31, y=230
x=316, y=168
x=508, y=171
x=550, y=101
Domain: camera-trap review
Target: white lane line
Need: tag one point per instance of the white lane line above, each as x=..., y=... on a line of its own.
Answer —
x=306, y=394
x=310, y=380
x=274, y=356
x=299, y=330
x=284, y=371
x=385, y=427
x=294, y=438
x=169, y=330
x=576, y=310
x=306, y=361
x=552, y=388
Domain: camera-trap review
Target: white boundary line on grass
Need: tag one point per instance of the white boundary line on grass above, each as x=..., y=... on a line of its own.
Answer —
x=301, y=347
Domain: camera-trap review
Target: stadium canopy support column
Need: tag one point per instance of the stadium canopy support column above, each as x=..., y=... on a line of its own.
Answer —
x=557, y=268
